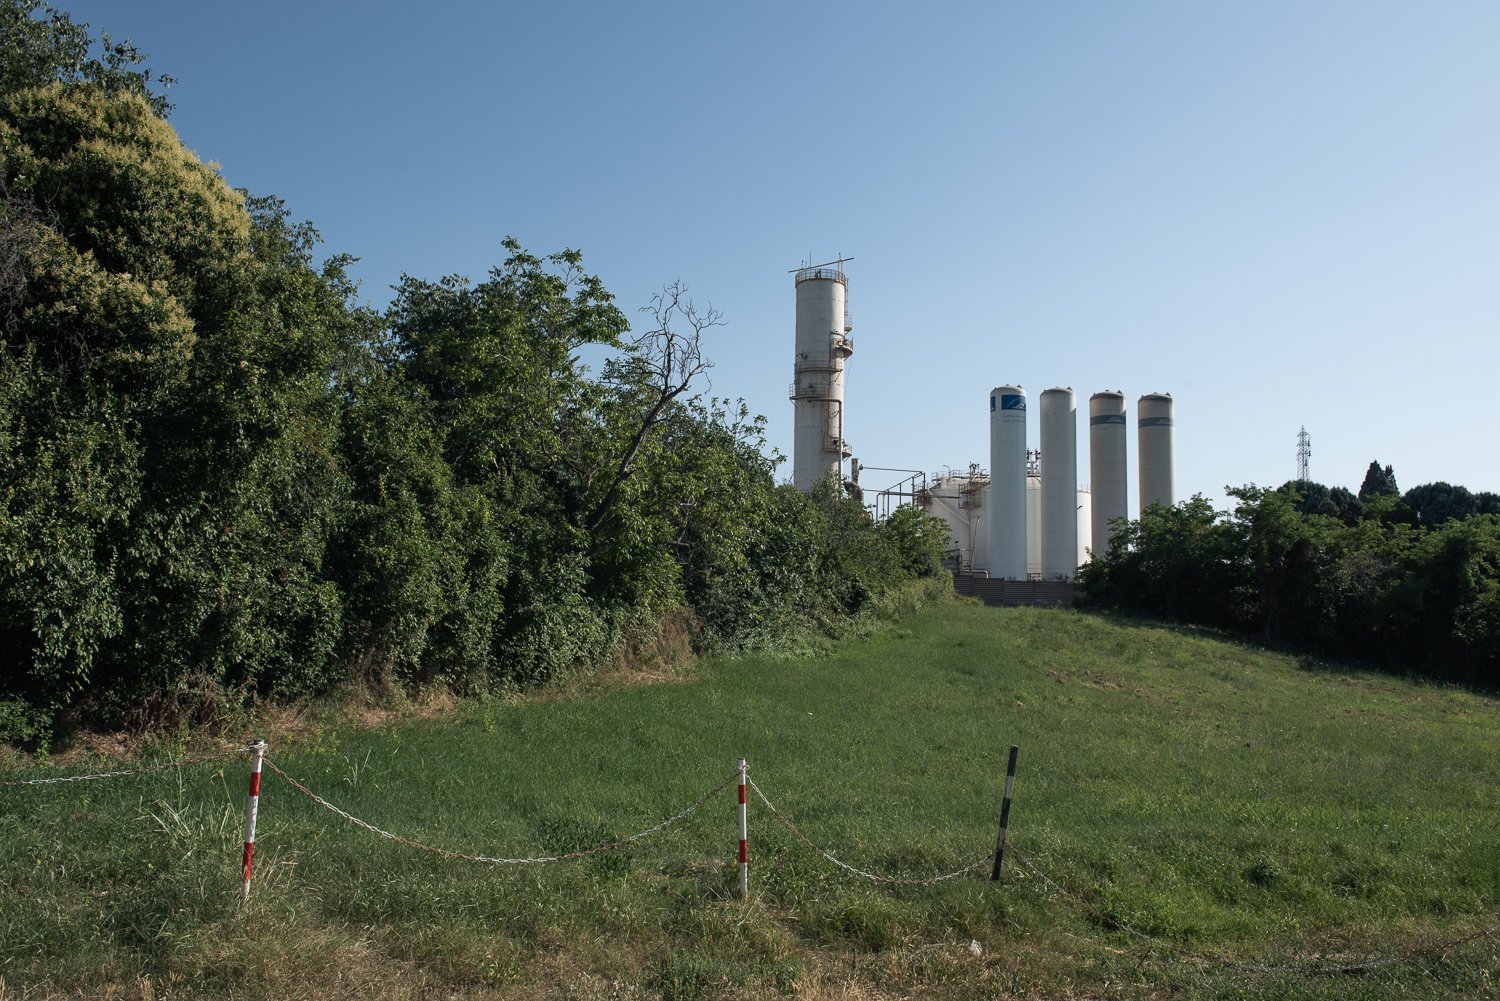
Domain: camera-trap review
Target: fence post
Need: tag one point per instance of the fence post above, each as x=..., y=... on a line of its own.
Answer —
x=1010, y=781
x=258, y=749
x=744, y=840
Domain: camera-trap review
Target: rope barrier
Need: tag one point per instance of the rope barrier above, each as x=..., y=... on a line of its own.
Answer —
x=874, y=877
x=740, y=775
x=179, y=763
x=489, y=860
x=1305, y=969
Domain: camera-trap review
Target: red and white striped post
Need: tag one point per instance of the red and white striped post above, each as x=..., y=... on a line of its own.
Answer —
x=744, y=840
x=258, y=749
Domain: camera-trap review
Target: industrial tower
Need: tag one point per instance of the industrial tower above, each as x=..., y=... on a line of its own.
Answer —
x=817, y=391
x=1156, y=449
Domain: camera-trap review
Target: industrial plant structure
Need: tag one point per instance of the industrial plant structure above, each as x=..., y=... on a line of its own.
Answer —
x=1007, y=493
x=1027, y=518
x=1156, y=429
x=817, y=392
x=1107, y=467
x=1059, y=469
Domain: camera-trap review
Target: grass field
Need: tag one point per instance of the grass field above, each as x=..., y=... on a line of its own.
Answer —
x=1252, y=817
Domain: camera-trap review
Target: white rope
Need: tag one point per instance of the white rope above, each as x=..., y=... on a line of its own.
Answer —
x=122, y=772
x=873, y=877
x=494, y=860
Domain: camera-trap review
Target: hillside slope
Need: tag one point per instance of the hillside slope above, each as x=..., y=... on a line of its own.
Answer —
x=1252, y=819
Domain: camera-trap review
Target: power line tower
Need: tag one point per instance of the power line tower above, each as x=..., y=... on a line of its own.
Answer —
x=1304, y=453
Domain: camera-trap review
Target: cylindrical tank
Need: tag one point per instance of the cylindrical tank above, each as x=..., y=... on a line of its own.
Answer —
x=960, y=501
x=1007, y=507
x=1108, y=475
x=1156, y=447
x=818, y=444
x=1059, y=462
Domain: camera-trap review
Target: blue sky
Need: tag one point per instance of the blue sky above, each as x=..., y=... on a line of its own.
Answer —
x=1283, y=213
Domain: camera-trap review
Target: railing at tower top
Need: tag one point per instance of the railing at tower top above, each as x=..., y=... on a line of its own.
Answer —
x=821, y=272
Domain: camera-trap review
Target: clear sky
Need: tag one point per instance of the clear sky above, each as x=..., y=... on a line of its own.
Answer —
x=1283, y=212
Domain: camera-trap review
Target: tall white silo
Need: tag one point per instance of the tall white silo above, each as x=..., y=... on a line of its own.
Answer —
x=1156, y=447
x=1007, y=500
x=1059, y=427
x=817, y=393
x=1108, y=475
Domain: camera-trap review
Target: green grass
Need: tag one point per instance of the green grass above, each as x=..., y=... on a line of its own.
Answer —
x=1243, y=807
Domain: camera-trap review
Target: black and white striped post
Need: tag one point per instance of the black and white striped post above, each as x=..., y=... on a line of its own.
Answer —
x=744, y=840
x=1010, y=782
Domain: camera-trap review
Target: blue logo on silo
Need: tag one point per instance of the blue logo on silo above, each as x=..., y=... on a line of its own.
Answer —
x=1011, y=401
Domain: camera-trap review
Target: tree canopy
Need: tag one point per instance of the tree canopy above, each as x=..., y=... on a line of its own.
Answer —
x=1288, y=566
x=223, y=479
x=1378, y=482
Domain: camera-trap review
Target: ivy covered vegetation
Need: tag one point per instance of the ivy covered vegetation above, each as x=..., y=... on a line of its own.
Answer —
x=1410, y=581
x=223, y=478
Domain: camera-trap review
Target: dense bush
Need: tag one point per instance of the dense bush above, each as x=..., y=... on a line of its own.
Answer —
x=221, y=478
x=1385, y=588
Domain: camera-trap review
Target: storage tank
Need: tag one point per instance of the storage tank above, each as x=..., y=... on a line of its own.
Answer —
x=960, y=501
x=817, y=393
x=1108, y=475
x=1007, y=500
x=1059, y=436
x=1156, y=449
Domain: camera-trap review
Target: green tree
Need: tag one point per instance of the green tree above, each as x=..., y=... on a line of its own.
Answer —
x=1431, y=504
x=1315, y=498
x=1187, y=563
x=514, y=411
x=917, y=539
x=421, y=558
x=168, y=390
x=1285, y=552
x=221, y=478
x=1378, y=482
x=40, y=44
x=1447, y=601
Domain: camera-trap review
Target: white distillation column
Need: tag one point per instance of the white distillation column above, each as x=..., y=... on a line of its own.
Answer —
x=1007, y=500
x=1059, y=438
x=823, y=345
x=1156, y=449
x=1108, y=474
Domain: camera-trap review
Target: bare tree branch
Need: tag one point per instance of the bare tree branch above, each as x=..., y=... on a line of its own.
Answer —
x=20, y=242
x=664, y=361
